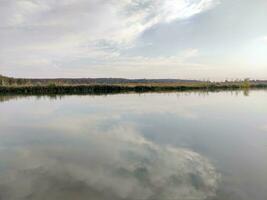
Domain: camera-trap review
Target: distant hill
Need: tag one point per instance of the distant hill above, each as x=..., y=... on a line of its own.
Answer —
x=89, y=81
x=105, y=81
x=79, y=81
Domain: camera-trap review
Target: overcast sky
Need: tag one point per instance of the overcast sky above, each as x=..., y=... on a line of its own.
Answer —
x=189, y=39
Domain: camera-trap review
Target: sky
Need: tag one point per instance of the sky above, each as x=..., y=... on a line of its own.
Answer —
x=186, y=39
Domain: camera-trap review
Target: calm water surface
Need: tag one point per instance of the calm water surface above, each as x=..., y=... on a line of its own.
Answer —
x=177, y=146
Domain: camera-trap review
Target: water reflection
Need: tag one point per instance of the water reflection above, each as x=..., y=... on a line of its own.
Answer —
x=203, y=93
x=116, y=164
x=194, y=146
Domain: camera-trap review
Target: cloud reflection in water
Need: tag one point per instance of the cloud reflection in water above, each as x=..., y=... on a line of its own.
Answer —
x=115, y=164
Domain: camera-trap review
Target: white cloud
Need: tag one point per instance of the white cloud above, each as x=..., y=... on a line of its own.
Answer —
x=110, y=64
x=62, y=31
x=261, y=39
x=264, y=128
x=118, y=21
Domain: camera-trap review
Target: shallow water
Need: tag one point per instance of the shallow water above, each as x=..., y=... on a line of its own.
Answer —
x=171, y=146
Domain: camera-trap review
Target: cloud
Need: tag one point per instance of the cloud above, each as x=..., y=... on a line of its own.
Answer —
x=52, y=32
x=264, y=128
x=124, y=20
x=105, y=64
x=261, y=39
x=264, y=39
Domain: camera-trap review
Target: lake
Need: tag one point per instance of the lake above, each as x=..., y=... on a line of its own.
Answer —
x=154, y=146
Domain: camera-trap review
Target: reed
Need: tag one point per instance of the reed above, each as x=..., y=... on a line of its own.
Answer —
x=120, y=88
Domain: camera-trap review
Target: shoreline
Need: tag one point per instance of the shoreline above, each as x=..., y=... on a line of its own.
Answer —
x=111, y=89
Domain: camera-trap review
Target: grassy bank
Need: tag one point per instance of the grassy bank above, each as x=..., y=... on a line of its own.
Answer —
x=122, y=88
x=10, y=85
